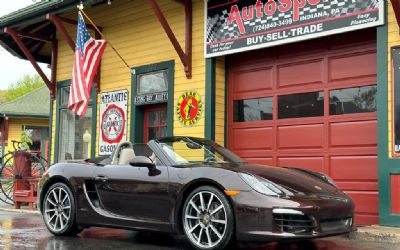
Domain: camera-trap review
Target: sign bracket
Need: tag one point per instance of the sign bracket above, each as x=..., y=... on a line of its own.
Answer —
x=16, y=36
x=396, y=8
x=185, y=56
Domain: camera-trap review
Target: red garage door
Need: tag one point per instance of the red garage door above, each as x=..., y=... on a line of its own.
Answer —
x=311, y=105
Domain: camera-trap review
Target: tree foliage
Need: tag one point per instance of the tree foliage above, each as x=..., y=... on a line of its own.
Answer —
x=26, y=84
x=2, y=96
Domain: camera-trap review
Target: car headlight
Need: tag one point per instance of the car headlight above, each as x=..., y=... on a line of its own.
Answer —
x=261, y=185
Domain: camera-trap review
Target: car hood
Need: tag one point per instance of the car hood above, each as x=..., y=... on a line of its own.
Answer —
x=292, y=179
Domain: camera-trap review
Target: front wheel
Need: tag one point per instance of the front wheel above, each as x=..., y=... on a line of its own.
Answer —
x=59, y=210
x=208, y=220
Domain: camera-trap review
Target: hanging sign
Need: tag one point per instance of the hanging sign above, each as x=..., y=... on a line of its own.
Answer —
x=189, y=108
x=396, y=100
x=241, y=25
x=113, y=120
x=151, y=98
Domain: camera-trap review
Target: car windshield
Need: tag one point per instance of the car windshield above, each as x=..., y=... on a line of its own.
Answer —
x=187, y=150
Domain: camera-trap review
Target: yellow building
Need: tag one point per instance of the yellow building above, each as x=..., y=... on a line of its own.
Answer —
x=278, y=84
x=29, y=113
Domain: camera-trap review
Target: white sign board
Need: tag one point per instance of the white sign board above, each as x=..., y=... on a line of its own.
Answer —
x=113, y=120
x=242, y=25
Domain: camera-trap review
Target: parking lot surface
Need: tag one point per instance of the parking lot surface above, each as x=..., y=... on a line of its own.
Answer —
x=27, y=231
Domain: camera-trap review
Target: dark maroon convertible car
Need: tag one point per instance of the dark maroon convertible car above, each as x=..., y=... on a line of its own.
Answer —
x=196, y=187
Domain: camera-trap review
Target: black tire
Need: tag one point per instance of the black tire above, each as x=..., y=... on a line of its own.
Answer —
x=67, y=227
x=222, y=231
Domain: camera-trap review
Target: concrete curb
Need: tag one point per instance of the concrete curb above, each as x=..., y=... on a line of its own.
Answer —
x=21, y=211
x=377, y=234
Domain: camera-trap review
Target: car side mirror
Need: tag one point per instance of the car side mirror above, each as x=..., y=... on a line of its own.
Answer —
x=142, y=161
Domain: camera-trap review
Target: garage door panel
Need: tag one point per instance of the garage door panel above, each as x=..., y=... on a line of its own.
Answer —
x=302, y=136
x=311, y=72
x=253, y=138
x=253, y=153
x=361, y=133
x=354, y=168
x=359, y=186
x=309, y=163
x=366, y=219
x=254, y=80
x=261, y=161
x=366, y=202
x=363, y=64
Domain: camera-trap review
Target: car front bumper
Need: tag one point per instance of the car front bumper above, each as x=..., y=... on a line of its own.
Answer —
x=262, y=218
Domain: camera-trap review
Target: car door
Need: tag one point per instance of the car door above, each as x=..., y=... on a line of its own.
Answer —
x=132, y=192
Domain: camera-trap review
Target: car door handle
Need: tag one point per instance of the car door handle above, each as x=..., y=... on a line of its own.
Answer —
x=101, y=178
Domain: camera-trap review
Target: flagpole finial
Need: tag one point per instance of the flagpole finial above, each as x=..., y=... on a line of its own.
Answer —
x=80, y=6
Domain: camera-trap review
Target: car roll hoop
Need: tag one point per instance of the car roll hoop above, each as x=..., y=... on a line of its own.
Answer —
x=116, y=155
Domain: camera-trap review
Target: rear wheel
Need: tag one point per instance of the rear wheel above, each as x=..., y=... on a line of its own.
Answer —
x=59, y=210
x=7, y=180
x=208, y=219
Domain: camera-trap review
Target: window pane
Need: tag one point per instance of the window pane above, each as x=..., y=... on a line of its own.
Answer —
x=37, y=135
x=163, y=117
x=253, y=109
x=352, y=100
x=64, y=96
x=153, y=118
x=163, y=132
x=73, y=129
x=153, y=82
x=301, y=105
x=153, y=133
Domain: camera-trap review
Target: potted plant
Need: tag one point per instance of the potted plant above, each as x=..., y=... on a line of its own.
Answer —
x=23, y=162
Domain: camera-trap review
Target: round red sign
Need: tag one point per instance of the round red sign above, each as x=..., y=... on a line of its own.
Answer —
x=189, y=108
x=112, y=124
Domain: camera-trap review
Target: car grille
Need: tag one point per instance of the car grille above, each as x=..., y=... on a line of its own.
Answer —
x=336, y=224
x=294, y=223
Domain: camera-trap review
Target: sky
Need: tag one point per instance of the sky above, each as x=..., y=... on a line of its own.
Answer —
x=12, y=68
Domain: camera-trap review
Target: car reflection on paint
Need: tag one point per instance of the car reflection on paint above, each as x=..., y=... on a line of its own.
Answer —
x=192, y=186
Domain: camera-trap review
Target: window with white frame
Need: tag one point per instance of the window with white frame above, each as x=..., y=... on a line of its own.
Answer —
x=75, y=135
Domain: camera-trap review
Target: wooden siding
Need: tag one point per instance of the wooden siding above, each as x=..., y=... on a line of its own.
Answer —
x=393, y=40
x=132, y=27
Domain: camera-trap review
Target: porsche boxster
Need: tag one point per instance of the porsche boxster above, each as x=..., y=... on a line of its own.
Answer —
x=192, y=186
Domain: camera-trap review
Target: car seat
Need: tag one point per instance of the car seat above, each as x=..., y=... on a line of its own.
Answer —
x=126, y=155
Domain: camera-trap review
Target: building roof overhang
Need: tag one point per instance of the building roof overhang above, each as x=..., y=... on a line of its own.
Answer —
x=31, y=105
x=30, y=33
x=32, y=20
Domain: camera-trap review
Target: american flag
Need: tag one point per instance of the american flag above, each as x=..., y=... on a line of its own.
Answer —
x=88, y=52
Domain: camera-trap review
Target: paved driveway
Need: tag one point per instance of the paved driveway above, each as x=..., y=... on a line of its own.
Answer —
x=27, y=231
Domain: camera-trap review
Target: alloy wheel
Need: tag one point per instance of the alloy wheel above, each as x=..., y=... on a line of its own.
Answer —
x=205, y=220
x=57, y=209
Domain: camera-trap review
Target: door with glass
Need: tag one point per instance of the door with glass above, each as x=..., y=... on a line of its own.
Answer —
x=155, y=122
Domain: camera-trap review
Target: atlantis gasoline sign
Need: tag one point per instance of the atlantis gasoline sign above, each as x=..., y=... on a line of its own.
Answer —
x=113, y=121
x=241, y=25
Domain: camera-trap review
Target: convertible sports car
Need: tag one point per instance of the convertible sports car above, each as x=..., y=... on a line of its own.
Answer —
x=196, y=187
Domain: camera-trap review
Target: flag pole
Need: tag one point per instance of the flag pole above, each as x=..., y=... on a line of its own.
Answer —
x=80, y=8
